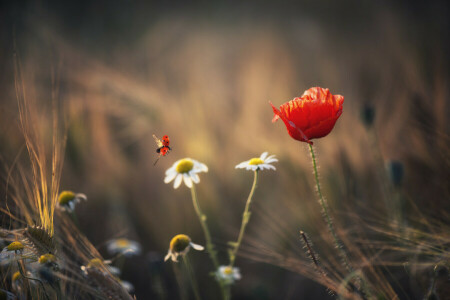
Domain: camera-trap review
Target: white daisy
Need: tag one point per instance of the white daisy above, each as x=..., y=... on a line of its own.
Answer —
x=67, y=200
x=228, y=274
x=260, y=163
x=185, y=169
x=180, y=245
x=123, y=246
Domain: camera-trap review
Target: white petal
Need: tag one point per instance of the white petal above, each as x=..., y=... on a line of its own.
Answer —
x=170, y=176
x=197, y=247
x=195, y=178
x=254, y=167
x=237, y=275
x=172, y=168
x=270, y=160
x=270, y=167
x=177, y=182
x=263, y=156
x=242, y=165
x=201, y=167
x=187, y=180
x=81, y=197
x=169, y=255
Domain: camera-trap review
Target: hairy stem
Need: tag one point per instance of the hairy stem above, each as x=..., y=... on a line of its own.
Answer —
x=327, y=217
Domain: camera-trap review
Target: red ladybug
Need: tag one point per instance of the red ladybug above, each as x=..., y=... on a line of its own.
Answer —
x=163, y=146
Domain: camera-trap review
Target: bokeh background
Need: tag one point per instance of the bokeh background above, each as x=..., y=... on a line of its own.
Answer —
x=204, y=74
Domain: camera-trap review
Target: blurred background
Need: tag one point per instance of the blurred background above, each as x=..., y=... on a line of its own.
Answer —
x=204, y=74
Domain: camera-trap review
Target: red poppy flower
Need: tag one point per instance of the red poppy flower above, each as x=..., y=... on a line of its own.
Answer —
x=310, y=116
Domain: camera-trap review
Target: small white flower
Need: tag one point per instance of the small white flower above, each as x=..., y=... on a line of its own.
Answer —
x=67, y=200
x=123, y=246
x=185, y=169
x=179, y=246
x=260, y=163
x=228, y=274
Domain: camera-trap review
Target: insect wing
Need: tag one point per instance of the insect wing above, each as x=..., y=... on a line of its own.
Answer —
x=158, y=141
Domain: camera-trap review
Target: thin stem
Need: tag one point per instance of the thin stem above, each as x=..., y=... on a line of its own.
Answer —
x=245, y=219
x=328, y=220
x=209, y=245
x=202, y=218
x=190, y=272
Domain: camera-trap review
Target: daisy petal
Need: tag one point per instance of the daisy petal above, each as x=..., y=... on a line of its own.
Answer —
x=169, y=255
x=170, y=176
x=242, y=165
x=187, y=180
x=271, y=160
x=177, y=182
x=195, y=178
x=197, y=247
x=263, y=156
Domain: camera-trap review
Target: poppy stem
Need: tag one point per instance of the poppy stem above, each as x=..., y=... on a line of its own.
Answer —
x=363, y=286
x=327, y=217
x=245, y=218
x=209, y=245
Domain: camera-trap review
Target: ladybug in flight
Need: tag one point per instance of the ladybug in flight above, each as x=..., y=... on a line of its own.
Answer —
x=163, y=146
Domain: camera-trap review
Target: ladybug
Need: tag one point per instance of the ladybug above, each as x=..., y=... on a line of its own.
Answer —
x=163, y=146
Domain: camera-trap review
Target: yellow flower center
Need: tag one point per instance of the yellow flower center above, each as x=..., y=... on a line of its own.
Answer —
x=16, y=276
x=256, y=161
x=14, y=246
x=47, y=258
x=185, y=165
x=65, y=197
x=228, y=270
x=179, y=243
x=95, y=262
x=122, y=243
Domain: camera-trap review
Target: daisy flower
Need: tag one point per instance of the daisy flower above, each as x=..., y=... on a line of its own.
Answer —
x=185, y=169
x=180, y=245
x=123, y=246
x=228, y=274
x=67, y=200
x=258, y=163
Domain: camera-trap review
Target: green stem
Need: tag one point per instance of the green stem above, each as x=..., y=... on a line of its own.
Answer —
x=245, y=219
x=190, y=272
x=209, y=245
x=328, y=220
x=202, y=218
